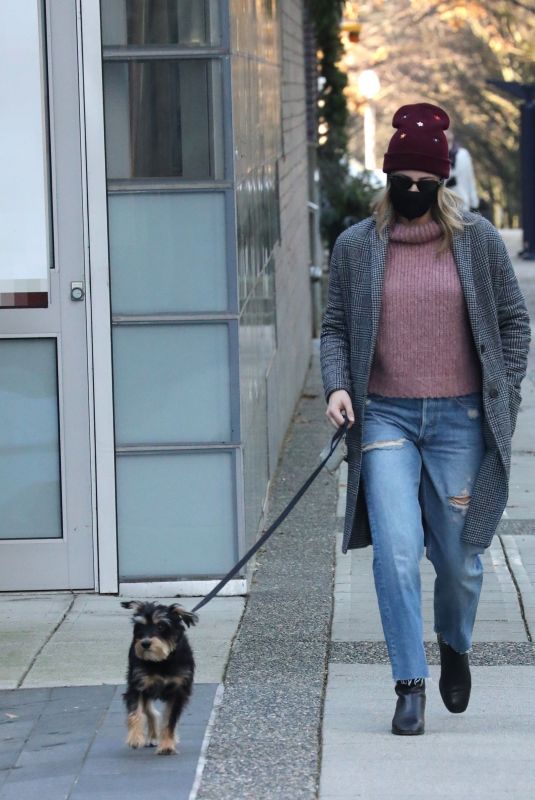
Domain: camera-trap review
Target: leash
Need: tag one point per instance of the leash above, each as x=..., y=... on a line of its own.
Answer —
x=335, y=441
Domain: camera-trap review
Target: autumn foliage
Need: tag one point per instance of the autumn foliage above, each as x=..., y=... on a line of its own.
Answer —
x=444, y=51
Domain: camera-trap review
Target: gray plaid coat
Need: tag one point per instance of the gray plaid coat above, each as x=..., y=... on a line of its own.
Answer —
x=501, y=330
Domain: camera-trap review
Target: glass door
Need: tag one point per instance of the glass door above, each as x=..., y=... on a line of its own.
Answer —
x=46, y=531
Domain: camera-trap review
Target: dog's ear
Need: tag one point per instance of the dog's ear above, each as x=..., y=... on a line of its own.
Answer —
x=188, y=617
x=135, y=605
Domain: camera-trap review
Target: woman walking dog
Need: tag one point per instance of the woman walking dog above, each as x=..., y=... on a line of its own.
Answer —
x=424, y=346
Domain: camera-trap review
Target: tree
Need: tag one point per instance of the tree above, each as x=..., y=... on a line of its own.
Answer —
x=344, y=200
x=444, y=51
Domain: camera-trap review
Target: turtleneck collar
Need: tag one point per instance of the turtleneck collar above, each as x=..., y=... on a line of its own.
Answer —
x=415, y=234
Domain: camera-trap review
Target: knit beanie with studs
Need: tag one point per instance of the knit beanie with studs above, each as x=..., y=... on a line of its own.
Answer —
x=419, y=142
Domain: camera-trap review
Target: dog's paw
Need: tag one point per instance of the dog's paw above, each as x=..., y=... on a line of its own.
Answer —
x=136, y=730
x=167, y=746
x=166, y=750
x=135, y=739
x=151, y=742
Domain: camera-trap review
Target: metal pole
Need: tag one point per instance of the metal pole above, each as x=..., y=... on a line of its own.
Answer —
x=369, y=136
x=527, y=155
x=525, y=92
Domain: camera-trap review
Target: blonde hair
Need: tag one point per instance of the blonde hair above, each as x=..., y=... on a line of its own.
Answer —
x=447, y=212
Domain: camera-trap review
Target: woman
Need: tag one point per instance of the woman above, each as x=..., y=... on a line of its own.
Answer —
x=424, y=346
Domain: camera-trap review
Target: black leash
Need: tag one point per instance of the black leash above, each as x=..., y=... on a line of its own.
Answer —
x=335, y=441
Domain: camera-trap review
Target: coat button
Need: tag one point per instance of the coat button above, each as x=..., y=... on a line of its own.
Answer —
x=482, y=348
x=493, y=392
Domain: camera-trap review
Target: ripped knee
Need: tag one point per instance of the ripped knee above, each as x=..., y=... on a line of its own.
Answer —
x=387, y=444
x=461, y=501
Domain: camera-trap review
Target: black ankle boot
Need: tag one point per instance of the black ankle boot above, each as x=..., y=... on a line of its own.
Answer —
x=455, y=679
x=409, y=715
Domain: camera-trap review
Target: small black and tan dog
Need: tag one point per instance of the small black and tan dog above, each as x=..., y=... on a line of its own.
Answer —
x=160, y=667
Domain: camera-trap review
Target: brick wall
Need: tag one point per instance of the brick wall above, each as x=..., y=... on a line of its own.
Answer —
x=290, y=363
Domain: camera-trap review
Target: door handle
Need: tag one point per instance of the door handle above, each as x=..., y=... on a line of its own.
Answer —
x=77, y=290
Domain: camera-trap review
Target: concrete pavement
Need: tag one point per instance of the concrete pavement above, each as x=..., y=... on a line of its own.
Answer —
x=66, y=639
x=484, y=754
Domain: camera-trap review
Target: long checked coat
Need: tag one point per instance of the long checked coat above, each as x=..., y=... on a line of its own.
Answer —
x=501, y=330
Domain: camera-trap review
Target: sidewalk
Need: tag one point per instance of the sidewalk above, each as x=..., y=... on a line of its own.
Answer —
x=65, y=739
x=293, y=696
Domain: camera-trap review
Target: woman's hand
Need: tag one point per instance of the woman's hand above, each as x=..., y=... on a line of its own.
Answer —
x=339, y=401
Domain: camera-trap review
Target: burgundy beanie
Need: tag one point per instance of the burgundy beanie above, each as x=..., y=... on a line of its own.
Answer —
x=419, y=142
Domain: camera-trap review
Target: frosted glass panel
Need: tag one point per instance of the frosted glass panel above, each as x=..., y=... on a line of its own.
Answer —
x=30, y=490
x=171, y=384
x=176, y=515
x=167, y=253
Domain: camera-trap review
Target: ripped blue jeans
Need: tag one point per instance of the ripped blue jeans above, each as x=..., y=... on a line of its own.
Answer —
x=420, y=459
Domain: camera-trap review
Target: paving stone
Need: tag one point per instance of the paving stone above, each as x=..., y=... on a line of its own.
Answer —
x=20, y=697
x=20, y=712
x=62, y=753
x=16, y=730
x=46, y=788
x=71, y=745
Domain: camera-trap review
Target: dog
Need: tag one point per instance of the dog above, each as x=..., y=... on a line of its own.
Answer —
x=160, y=667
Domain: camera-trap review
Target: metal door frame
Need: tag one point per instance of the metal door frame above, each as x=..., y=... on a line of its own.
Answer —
x=99, y=307
x=66, y=153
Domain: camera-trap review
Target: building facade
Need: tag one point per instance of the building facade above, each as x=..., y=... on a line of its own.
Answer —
x=155, y=315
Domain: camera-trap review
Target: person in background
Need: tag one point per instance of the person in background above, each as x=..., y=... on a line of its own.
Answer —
x=462, y=180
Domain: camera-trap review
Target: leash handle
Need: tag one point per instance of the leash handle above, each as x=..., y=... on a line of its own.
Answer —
x=335, y=441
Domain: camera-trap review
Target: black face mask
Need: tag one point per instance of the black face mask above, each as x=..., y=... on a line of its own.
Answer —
x=411, y=204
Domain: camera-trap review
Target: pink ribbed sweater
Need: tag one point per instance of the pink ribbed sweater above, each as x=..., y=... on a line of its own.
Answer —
x=425, y=346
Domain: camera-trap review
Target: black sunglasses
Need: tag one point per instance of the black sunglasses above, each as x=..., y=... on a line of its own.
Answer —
x=405, y=183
